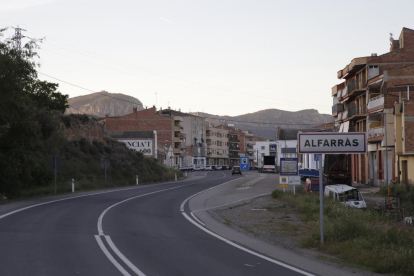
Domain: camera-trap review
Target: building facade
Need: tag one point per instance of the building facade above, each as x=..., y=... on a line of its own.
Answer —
x=167, y=149
x=364, y=102
x=217, y=145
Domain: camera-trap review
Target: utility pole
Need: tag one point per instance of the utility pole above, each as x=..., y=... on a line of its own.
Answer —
x=18, y=38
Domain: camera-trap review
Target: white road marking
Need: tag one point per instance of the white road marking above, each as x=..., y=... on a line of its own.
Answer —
x=73, y=197
x=109, y=256
x=245, y=249
x=100, y=219
x=197, y=219
x=123, y=258
x=230, y=242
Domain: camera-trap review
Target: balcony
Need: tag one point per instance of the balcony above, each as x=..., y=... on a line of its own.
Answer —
x=355, y=65
x=376, y=132
x=177, y=150
x=233, y=156
x=376, y=103
x=250, y=150
x=234, y=148
x=233, y=139
x=208, y=133
x=337, y=88
x=177, y=128
x=209, y=142
x=339, y=107
x=178, y=118
x=177, y=139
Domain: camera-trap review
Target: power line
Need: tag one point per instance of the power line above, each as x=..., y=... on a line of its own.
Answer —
x=149, y=71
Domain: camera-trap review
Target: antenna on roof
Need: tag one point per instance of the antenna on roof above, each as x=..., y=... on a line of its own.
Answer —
x=391, y=39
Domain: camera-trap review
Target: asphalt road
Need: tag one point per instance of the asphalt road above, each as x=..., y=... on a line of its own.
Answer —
x=143, y=230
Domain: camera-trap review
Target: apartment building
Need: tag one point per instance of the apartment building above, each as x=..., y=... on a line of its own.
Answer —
x=193, y=137
x=217, y=145
x=364, y=102
x=168, y=142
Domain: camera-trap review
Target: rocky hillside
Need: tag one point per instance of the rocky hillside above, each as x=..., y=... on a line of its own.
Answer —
x=270, y=120
x=102, y=103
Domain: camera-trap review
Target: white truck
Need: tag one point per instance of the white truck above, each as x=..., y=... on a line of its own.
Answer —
x=347, y=195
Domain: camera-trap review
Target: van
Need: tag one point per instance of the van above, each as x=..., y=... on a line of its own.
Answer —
x=347, y=195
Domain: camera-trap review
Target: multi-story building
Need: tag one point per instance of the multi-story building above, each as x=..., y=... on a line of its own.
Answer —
x=364, y=102
x=168, y=146
x=217, y=145
x=194, y=130
x=404, y=126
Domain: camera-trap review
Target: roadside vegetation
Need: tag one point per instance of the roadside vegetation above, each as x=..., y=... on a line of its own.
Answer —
x=362, y=238
x=32, y=131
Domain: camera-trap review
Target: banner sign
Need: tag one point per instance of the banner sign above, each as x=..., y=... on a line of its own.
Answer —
x=144, y=146
x=332, y=142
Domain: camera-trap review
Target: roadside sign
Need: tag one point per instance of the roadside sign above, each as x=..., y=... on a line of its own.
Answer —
x=288, y=166
x=244, y=163
x=283, y=181
x=294, y=180
x=105, y=164
x=332, y=142
x=315, y=157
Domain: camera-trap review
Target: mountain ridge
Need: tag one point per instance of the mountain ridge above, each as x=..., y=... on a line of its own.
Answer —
x=262, y=123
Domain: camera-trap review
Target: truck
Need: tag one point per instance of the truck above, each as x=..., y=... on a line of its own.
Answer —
x=337, y=169
x=269, y=164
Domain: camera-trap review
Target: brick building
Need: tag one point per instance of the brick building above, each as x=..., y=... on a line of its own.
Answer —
x=168, y=129
x=193, y=135
x=364, y=102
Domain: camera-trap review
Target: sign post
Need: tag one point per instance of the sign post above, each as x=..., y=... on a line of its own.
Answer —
x=330, y=143
x=288, y=173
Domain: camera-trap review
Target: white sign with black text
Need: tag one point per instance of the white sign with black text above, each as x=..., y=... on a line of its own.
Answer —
x=332, y=142
x=144, y=146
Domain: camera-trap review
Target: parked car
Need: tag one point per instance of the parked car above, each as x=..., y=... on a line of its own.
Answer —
x=218, y=168
x=198, y=168
x=225, y=167
x=236, y=169
x=213, y=167
x=208, y=168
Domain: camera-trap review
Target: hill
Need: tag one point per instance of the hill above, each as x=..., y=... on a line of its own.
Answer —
x=264, y=123
x=101, y=103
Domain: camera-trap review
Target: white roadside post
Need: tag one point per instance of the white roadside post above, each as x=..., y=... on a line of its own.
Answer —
x=330, y=143
x=175, y=176
x=137, y=179
x=73, y=185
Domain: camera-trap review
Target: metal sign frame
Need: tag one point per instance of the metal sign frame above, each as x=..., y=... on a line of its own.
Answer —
x=290, y=160
x=332, y=142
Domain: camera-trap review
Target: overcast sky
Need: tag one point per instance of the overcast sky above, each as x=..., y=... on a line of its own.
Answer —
x=220, y=57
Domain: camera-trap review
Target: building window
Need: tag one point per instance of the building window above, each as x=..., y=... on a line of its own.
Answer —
x=263, y=147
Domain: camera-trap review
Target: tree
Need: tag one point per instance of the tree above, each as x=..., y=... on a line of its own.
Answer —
x=23, y=97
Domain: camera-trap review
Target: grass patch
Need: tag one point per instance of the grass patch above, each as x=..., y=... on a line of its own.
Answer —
x=360, y=238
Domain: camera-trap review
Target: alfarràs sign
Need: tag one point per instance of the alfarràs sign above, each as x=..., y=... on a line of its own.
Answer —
x=332, y=142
